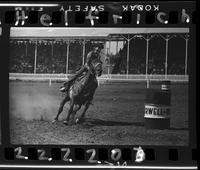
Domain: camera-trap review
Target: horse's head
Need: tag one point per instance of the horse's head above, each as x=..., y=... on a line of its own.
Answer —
x=97, y=68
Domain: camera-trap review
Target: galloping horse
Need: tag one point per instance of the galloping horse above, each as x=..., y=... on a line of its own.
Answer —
x=81, y=93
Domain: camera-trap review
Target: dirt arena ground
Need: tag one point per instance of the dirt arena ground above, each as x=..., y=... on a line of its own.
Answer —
x=116, y=118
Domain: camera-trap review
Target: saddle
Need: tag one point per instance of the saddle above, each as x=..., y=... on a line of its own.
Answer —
x=79, y=84
x=69, y=84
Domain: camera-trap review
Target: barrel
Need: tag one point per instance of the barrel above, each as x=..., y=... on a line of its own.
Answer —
x=157, y=107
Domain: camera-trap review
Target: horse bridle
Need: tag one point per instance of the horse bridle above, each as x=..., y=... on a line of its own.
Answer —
x=97, y=64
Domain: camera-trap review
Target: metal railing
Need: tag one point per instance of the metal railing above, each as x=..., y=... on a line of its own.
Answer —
x=113, y=77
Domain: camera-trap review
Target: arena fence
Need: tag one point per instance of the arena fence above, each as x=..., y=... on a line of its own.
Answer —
x=111, y=77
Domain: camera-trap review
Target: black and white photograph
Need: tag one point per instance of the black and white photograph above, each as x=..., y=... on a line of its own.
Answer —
x=99, y=86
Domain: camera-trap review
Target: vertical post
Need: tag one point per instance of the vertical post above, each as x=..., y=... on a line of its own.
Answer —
x=26, y=48
x=127, y=62
x=83, y=52
x=109, y=58
x=109, y=46
x=116, y=46
x=35, y=59
x=52, y=49
x=67, y=60
x=107, y=62
x=186, y=55
x=166, y=57
x=147, y=57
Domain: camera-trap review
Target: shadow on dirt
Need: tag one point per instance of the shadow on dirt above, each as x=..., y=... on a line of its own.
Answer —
x=99, y=122
x=178, y=129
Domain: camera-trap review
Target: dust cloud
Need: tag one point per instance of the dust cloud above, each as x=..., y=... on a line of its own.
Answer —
x=35, y=107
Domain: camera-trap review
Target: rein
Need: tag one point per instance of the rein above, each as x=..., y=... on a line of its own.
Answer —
x=97, y=65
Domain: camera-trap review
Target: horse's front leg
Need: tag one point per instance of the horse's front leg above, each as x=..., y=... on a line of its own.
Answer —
x=61, y=107
x=76, y=109
x=71, y=107
x=87, y=105
x=83, y=113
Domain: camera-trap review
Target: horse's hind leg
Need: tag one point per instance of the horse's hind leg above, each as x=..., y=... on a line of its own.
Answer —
x=61, y=108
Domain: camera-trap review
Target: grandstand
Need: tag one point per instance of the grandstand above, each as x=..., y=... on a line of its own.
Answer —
x=57, y=53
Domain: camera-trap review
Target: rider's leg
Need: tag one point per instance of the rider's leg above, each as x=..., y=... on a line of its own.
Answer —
x=68, y=82
x=78, y=73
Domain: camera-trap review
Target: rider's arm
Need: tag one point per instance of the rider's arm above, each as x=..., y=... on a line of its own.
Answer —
x=99, y=57
x=88, y=59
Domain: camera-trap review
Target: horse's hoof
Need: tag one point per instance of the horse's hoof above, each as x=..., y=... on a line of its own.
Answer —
x=77, y=120
x=66, y=122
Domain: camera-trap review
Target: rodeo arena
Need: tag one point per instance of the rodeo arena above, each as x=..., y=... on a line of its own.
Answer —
x=141, y=96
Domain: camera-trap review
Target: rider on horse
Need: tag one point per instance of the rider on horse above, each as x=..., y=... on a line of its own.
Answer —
x=92, y=55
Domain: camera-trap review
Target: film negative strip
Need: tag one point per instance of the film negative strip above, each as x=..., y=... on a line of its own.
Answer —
x=98, y=85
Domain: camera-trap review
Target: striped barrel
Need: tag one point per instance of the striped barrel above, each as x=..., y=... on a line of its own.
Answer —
x=157, y=107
